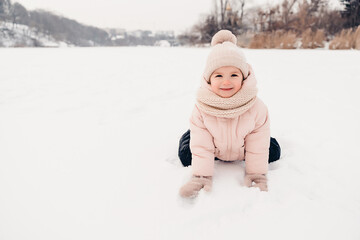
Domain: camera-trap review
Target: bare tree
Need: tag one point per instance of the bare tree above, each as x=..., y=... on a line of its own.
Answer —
x=242, y=5
x=286, y=9
x=237, y=11
x=223, y=6
x=4, y=9
x=260, y=20
x=18, y=14
x=226, y=14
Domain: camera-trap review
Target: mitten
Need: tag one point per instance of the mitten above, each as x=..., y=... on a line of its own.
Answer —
x=195, y=184
x=256, y=180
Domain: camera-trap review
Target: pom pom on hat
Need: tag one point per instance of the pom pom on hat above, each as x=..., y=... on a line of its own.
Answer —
x=223, y=36
x=224, y=52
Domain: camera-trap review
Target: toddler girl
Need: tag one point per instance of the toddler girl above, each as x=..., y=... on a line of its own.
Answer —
x=229, y=122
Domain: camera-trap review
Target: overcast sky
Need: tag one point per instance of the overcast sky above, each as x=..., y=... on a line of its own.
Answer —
x=176, y=15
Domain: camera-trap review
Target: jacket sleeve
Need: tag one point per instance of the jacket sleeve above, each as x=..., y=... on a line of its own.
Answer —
x=201, y=146
x=257, y=143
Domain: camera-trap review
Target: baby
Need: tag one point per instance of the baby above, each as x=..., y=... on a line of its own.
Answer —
x=229, y=122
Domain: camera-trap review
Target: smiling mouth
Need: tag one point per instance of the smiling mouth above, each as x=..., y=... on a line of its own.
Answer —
x=226, y=89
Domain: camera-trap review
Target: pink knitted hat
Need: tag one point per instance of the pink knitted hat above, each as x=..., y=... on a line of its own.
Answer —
x=224, y=52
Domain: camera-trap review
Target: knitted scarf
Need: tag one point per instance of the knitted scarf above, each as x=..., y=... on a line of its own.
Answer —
x=232, y=107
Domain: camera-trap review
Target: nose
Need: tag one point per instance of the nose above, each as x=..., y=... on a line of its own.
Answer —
x=226, y=81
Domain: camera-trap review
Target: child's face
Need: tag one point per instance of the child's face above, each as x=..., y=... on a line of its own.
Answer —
x=226, y=81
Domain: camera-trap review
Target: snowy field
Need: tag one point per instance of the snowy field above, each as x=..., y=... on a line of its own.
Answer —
x=89, y=137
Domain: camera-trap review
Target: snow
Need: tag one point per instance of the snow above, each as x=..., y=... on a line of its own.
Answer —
x=162, y=43
x=89, y=137
x=18, y=35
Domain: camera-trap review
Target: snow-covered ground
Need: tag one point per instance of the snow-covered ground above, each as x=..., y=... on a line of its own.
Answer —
x=89, y=137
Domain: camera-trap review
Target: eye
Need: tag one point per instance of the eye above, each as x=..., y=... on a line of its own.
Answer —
x=218, y=75
x=234, y=75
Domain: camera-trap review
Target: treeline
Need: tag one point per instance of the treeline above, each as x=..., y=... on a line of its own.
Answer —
x=47, y=23
x=290, y=24
x=44, y=24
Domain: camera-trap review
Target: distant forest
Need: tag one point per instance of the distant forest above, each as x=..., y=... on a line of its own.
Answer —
x=289, y=24
x=71, y=32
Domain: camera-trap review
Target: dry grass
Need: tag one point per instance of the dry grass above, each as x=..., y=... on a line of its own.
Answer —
x=306, y=39
x=310, y=39
x=342, y=40
x=245, y=39
x=347, y=39
x=357, y=38
x=319, y=38
x=278, y=39
x=288, y=40
x=258, y=41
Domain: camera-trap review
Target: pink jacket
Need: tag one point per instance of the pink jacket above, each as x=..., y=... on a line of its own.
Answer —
x=246, y=137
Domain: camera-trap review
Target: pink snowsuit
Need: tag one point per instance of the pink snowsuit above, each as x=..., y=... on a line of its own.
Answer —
x=246, y=137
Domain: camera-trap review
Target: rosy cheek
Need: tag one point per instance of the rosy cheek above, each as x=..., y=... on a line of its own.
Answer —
x=214, y=87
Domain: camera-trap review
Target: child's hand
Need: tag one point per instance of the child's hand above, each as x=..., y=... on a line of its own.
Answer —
x=256, y=180
x=195, y=184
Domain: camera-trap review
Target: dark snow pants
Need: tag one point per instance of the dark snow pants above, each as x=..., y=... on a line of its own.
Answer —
x=185, y=153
